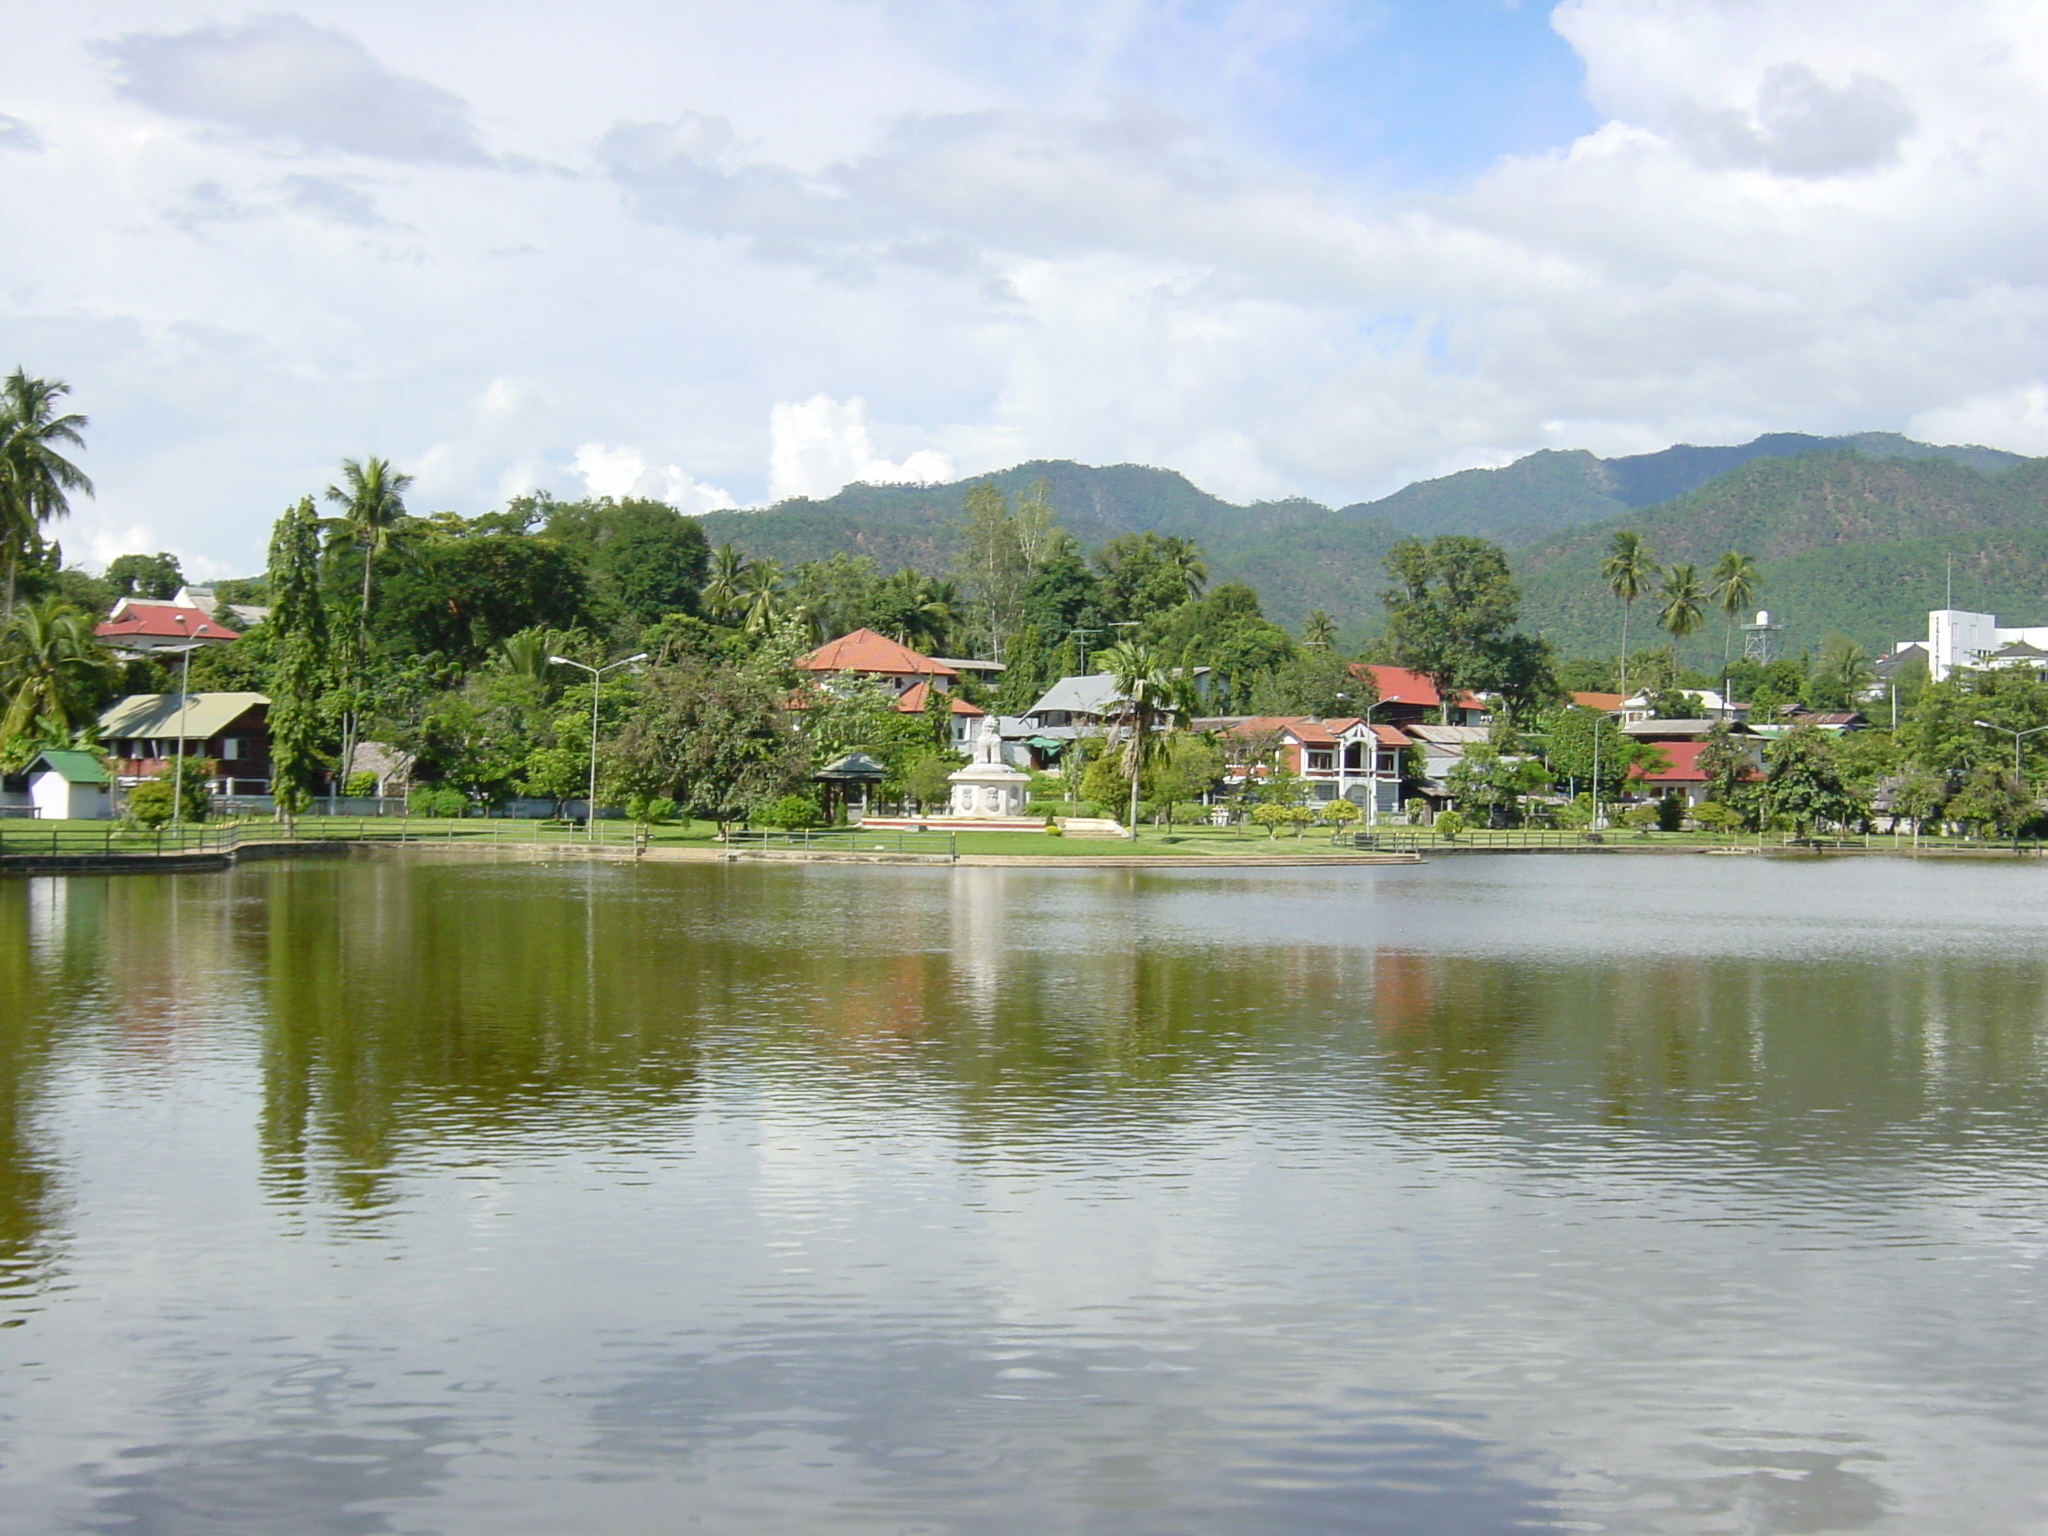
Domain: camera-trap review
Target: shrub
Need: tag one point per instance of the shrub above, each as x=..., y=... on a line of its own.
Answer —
x=438, y=801
x=1670, y=813
x=652, y=810
x=790, y=812
x=1641, y=817
x=360, y=786
x=1272, y=817
x=1340, y=813
x=1449, y=825
x=149, y=803
x=1190, y=813
x=1716, y=817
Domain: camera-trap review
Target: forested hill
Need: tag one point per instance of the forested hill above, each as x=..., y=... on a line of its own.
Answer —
x=1847, y=543
x=1794, y=501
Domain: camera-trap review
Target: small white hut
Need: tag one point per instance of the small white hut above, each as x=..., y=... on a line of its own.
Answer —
x=70, y=786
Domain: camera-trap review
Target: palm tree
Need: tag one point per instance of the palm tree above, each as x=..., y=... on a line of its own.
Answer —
x=372, y=499
x=1183, y=557
x=53, y=673
x=1734, y=581
x=1684, y=608
x=721, y=595
x=36, y=481
x=917, y=609
x=1848, y=666
x=1153, y=694
x=1626, y=570
x=1319, y=633
x=761, y=596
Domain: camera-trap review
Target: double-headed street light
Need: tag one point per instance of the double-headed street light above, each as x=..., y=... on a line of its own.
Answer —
x=596, y=676
x=184, y=703
x=2019, y=777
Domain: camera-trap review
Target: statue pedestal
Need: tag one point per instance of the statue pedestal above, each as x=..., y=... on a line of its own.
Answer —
x=988, y=791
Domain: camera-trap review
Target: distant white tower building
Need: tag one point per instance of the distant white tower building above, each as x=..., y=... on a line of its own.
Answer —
x=1758, y=638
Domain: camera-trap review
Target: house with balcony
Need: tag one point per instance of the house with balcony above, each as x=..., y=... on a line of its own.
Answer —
x=226, y=734
x=1340, y=759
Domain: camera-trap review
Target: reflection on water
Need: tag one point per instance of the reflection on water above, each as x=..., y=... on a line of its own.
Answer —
x=1631, y=1195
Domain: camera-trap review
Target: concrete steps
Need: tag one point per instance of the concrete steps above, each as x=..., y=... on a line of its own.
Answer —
x=1091, y=826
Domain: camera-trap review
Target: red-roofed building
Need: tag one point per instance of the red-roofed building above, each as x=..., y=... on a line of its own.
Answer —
x=867, y=654
x=915, y=699
x=1681, y=774
x=1604, y=703
x=1342, y=759
x=138, y=626
x=1409, y=696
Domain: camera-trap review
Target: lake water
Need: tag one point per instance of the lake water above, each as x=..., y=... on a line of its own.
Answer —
x=1490, y=1195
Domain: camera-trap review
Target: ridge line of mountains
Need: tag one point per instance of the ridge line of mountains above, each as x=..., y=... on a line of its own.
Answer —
x=1853, y=534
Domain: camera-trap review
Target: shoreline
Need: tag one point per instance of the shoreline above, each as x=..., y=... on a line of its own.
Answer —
x=125, y=863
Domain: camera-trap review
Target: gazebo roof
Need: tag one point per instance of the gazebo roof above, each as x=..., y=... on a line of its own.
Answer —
x=854, y=768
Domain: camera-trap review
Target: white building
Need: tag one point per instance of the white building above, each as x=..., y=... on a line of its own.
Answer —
x=1958, y=638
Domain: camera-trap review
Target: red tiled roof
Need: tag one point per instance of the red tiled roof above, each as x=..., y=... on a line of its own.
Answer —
x=866, y=651
x=1684, y=757
x=917, y=695
x=163, y=621
x=1606, y=703
x=1390, y=736
x=1397, y=685
x=1300, y=727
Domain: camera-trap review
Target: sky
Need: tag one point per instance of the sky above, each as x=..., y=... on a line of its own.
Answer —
x=724, y=254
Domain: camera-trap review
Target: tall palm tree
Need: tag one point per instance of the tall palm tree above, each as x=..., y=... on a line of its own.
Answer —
x=761, y=596
x=1626, y=570
x=1685, y=600
x=36, y=480
x=1734, y=582
x=1319, y=633
x=372, y=501
x=1184, y=558
x=1152, y=695
x=53, y=673
x=722, y=584
x=917, y=609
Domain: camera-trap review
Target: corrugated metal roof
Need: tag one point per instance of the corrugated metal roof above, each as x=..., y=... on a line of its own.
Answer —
x=1095, y=694
x=190, y=717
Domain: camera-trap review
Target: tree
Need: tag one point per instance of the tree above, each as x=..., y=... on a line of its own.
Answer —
x=1316, y=683
x=1493, y=784
x=1339, y=814
x=1993, y=801
x=36, y=480
x=54, y=675
x=760, y=604
x=1685, y=599
x=1145, y=574
x=1452, y=611
x=298, y=623
x=725, y=579
x=993, y=566
x=929, y=781
x=1733, y=584
x=1726, y=763
x=1570, y=737
x=1318, y=631
x=153, y=576
x=714, y=740
x=1801, y=785
x=1626, y=570
x=644, y=558
x=1842, y=676
x=372, y=501
x=1151, y=695
x=1188, y=769
x=1917, y=796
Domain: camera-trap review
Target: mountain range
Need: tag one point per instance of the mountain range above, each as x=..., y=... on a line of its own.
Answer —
x=1854, y=535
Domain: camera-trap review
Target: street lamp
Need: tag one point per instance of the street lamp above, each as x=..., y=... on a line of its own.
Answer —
x=184, y=701
x=596, y=676
x=2019, y=778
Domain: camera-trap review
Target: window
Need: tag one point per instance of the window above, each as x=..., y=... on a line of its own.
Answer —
x=231, y=749
x=1322, y=762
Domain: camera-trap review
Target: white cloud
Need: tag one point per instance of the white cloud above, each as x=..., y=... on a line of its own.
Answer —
x=281, y=77
x=621, y=472
x=819, y=446
x=2015, y=419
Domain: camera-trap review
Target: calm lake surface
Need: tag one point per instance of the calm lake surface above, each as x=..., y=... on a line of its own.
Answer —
x=1495, y=1194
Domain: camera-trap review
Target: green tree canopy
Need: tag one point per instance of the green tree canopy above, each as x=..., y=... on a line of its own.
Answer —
x=1452, y=610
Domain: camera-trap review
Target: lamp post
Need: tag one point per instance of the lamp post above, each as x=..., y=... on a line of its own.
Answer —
x=596, y=676
x=2019, y=777
x=178, y=768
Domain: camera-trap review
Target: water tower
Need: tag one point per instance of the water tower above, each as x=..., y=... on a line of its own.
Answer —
x=1757, y=641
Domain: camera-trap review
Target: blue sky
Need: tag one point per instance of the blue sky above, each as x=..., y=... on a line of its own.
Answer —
x=724, y=254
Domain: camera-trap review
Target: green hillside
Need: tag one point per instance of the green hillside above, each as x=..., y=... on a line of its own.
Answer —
x=1848, y=544
x=1851, y=538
